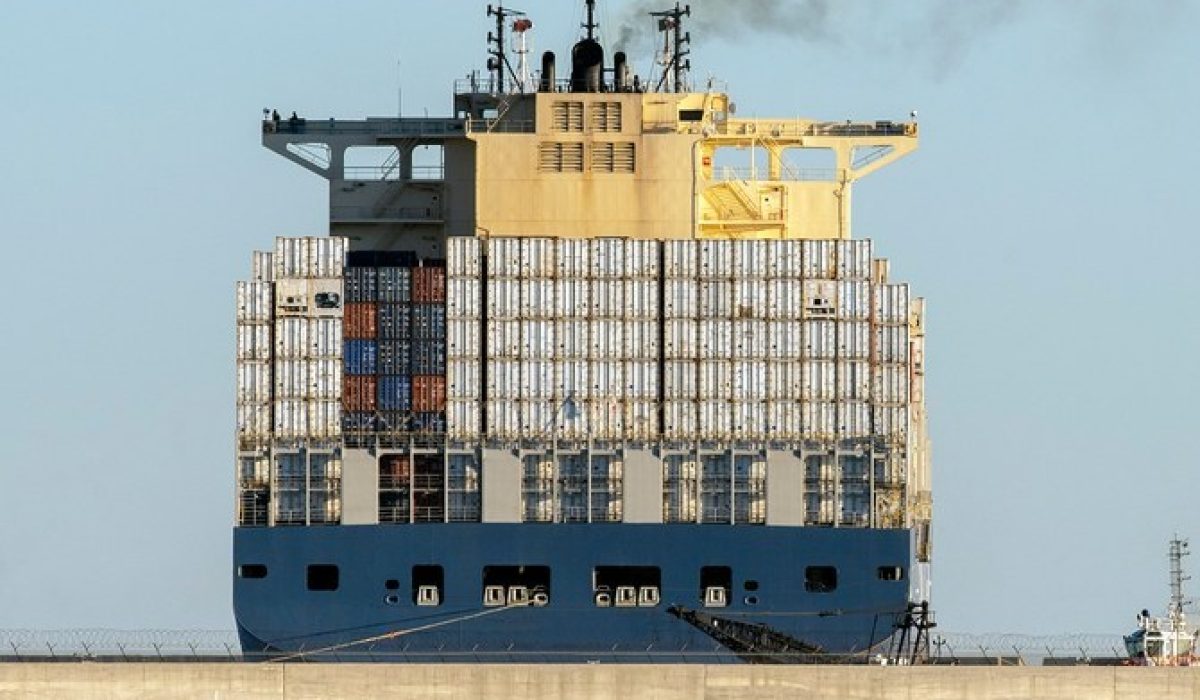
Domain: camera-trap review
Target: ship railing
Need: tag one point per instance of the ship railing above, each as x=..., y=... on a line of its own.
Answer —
x=347, y=213
x=487, y=86
x=384, y=126
x=502, y=125
x=391, y=173
x=752, y=174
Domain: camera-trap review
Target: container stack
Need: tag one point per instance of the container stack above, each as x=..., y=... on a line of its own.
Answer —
x=255, y=318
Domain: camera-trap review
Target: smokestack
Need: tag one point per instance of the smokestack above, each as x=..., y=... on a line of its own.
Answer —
x=620, y=72
x=548, y=77
x=587, y=66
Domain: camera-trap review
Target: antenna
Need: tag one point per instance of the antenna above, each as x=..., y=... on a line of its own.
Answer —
x=670, y=23
x=1178, y=550
x=591, y=25
x=521, y=27
x=498, y=63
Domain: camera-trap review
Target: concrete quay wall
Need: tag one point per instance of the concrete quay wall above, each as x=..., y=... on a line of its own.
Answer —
x=269, y=681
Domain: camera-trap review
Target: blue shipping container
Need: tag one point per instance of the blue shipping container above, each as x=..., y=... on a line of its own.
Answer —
x=357, y=421
x=429, y=422
x=394, y=321
x=395, y=393
x=394, y=356
x=393, y=422
x=361, y=356
x=360, y=284
x=395, y=284
x=429, y=321
x=429, y=357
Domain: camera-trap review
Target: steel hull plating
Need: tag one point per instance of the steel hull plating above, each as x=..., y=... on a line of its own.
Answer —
x=277, y=613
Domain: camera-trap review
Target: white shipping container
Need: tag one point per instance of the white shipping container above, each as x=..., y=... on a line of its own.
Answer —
x=572, y=258
x=291, y=337
x=572, y=341
x=854, y=301
x=680, y=420
x=607, y=298
x=606, y=338
x=715, y=258
x=714, y=419
x=537, y=340
x=715, y=298
x=325, y=379
x=854, y=419
x=504, y=379
x=538, y=418
x=641, y=419
x=784, y=420
x=254, y=420
x=573, y=380
x=292, y=257
x=853, y=380
x=463, y=379
x=820, y=340
x=680, y=298
x=819, y=419
x=749, y=420
x=680, y=339
x=462, y=257
x=785, y=381
x=463, y=297
x=641, y=298
x=608, y=379
x=785, y=259
x=820, y=299
x=608, y=258
x=573, y=297
x=679, y=380
x=715, y=379
x=715, y=338
x=750, y=299
x=291, y=418
x=462, y=337
x=891, y=421
x=572, y=419
x=328, y=257
x=255, y=302
x=819, y=380
x=641, y=340
x=291, y=379
x=785, y=340
x=606, y=418
x=890, y=384
x=853, y=259
x=324, y=419
x=253, y=382
x=325, y=338
x=504, y=418
x=681, y=259
x=818, y=259
x=537, y=257
x=749, y=380
x=254, y=342
x=641, y=259
x=537, y=379
x=504, y=257
x=504, y=339
x=854, y=340
x=641, y=379
x=891, y=304
x=751, y=258
x=462, y=419
x=262, y=266
x=537, y=298
x=749, y=339
x=785, y=299
x=891, y=344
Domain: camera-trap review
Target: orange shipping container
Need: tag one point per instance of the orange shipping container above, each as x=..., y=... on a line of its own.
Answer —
x=358, y=393
x=429, y=392
x=361, y=320
x=429, y=285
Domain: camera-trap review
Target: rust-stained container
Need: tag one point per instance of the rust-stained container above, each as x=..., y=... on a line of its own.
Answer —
x=358, y=393
x=429, y=285
x=429, y=392
x=362, y=320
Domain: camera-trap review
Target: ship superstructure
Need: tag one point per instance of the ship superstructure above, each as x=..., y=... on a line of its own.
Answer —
x=564, y=383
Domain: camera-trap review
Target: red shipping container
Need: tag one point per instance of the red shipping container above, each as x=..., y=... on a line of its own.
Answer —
x=429, y=392
x=358, y=393
x=361, y=320
x=429, y=285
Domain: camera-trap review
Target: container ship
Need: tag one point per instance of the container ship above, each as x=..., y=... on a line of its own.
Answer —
x=592, y=370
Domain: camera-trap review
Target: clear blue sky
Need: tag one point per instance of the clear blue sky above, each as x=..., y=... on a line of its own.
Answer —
x=1050, y=217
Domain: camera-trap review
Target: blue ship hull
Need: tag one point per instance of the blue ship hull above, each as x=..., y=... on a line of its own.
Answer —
x=364, y=619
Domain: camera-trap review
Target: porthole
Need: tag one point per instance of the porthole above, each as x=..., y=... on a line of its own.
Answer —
x=751, y=600
x=392, y=599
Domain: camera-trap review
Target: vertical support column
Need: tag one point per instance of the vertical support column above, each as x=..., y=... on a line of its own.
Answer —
x=643, y=487
x=785, y=488
x=360, y=487
x=500, y=470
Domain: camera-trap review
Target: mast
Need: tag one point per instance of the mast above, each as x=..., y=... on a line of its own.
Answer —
x=498, y=62
x=591, y=25
x=670, y=23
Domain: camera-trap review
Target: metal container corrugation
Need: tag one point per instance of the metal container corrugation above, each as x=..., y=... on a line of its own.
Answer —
x=504, y=339
x=785, y=259
x=395, y=285
x=785, y=340
x=679, y=380
x=572, y=419
x=891, y=421
x=428, y=392
x=357, y=421
x=854, y=301
x=253, y=382
x=819, y=381
x=641, y=340
x=819, y=418
x=641, y=379
x=681, y=259
x=641, y=259
x=361, y=320
x=572, y=258
x=429, y=285
x=749, y=339
x=429, y=357
x=680, y=420
x=395, y=321
x=325, y=337
x=462, y=338
x=890, y=384
x=463, y=297
x=680, y=298
x=255, y=302
x=504, y=257
x=254, y=342
x=463, y=379
x=715, y=338
x=429, y=422
x=504, y=379
x=254, y=420
x=715, y=298
x=749, y=380
x=291, y=379
x=291, y=337
x=749, y=419
x=537, y=257
x=608, y=258
x=750, y=298
x=818, y=259
x=785, y=381
x=327, y=258
x=462, y=256
x=785, y=299
x=715, y=379
x=262, y=266
x=395, y=356
x=571, y=338
x=608, y=379
x=784, y=421
x=359, y=393
x=891, y=303
x=361, y=357
x=361, y=284
x=853, y=259
x=538, y=419
x=853, y=380
x=606, y=339
x=607, y=418
x=537, y=339
x=714, y=258
x=607, y=298
x=679, y=339
x=537, y=298
x=503, y=299
x=640, y=419
x=428, y=322
x=325, y=379
x=324, y=419
x=820, y=340
x=751, y=258
x=891, y=344
x=641, y=298
x=715, y=420
x=462, y=419
x=854, y=340
x=503, y=418
x=572, y=298
x=573, y=379
x=291, y=257
x=291, y=418
x=394, y=393
x=854, y=418
x=537, y=379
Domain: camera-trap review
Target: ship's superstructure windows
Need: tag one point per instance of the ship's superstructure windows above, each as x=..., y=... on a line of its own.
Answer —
x=613, y=158
x=322, y=577
x=820, y=579
x=567, y=116
x=604, y=116
x=428, y=585
x=516, y=585
x=626, y=586
x=691, y=115
x=252, y=571
x=890, y=573
x=560, y=157
x=716, y=586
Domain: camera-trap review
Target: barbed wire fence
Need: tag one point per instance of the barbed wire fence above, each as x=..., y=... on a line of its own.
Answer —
x=222, y=645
